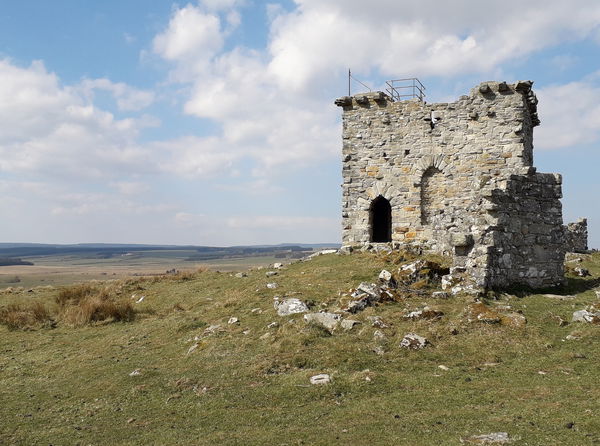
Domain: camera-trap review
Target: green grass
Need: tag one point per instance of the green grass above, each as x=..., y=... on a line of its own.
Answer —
x=72, y=385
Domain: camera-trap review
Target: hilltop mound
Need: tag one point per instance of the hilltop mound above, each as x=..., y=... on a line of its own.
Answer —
x=206, y=358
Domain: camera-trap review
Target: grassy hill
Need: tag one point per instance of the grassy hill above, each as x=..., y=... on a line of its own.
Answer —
x=96, y=364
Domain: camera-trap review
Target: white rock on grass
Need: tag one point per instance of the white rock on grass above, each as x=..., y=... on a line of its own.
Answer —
x=290, y=306
x=378, y=334
x=586, y=316
x=493, y=439
x=322, y=378
x=413, y=341
x=386, y=277
x=330, y=321
x=376, y=321
x=271, y=273
x=439, y=295
x=233, y=320
x=240, y=275
x=348, y=324
x=277, y=265
x=271, y=285
x=136, y=372
x=320, y=253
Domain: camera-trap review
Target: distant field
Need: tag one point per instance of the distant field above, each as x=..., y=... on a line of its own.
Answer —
x=66, y=269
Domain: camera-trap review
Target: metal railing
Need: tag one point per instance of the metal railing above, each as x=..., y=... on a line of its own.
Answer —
x=403, y=89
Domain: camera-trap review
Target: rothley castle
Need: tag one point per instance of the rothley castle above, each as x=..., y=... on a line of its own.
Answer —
x=456, y=178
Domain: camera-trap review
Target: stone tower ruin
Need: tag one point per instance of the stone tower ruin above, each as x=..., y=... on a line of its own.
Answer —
x=454, y=178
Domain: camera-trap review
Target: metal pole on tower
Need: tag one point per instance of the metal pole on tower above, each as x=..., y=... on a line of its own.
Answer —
x=349, y=81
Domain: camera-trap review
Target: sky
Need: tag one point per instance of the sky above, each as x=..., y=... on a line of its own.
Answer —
x=212, y=122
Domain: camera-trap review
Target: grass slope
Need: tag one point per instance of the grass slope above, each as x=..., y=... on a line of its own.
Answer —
x=248, y=384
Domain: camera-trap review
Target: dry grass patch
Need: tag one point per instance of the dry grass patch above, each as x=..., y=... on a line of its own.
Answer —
x=83, y=304
x=25, y=317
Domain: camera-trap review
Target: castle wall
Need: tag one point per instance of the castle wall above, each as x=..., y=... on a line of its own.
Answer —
x=434, y=163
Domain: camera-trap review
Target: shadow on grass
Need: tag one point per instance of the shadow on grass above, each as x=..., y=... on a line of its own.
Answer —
x=573, y=285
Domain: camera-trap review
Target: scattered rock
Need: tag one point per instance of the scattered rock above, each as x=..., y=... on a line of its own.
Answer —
x=411, y=271
x=240, y=275
x=271, y=285
x=348, y=324
x=136, y=372
x=290, y=306
x=376, y=321
x=425, y=313
x=277, y=265
x=413, y=341
x=440, y=295
x=493, y=438
x=387, y=279
x=589, y=315
x=256, y=311
x=378, y=350
x=366, y=294
x=233, y=320
x=140, y=300
x=330, y=321
x=211, y=329
x=581, y=272
x=448, y=281
x=273, y=325
x=443, y=367
x=271, y=273
x=597, y=293
x=265, y=336
x=378, y=334
x=322, y=378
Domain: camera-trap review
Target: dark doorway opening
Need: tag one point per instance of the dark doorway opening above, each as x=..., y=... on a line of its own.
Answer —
x=380, y=216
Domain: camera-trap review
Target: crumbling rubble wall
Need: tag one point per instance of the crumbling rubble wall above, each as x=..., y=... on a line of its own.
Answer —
x=437, y=165
x=576, y=236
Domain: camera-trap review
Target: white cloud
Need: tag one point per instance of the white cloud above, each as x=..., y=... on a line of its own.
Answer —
x=130, y=187
x=401, y=38
x=191, y=35
x=56, y=131
x=128, y=98
x=220, y=5
x=570, y=114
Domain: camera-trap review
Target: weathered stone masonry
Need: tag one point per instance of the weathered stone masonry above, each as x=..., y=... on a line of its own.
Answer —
x=455, y=178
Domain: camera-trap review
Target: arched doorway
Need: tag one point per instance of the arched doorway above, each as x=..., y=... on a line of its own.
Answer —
x=380, y=218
